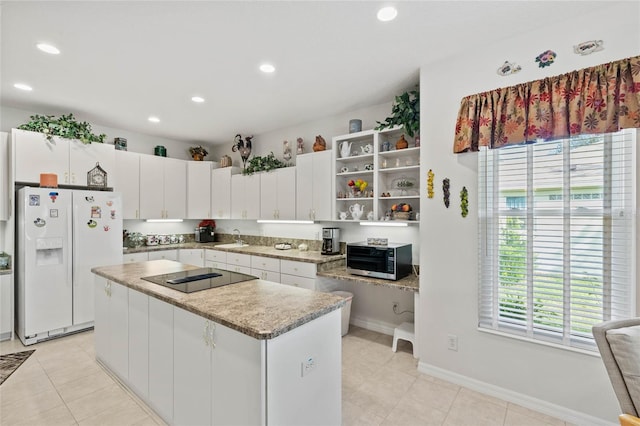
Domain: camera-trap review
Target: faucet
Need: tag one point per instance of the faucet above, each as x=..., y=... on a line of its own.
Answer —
x=236, y=233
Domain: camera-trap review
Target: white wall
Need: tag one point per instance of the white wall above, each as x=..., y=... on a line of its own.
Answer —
x=557, y=381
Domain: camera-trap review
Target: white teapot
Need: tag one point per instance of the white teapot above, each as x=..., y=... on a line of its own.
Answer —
x=356, y=211
x=345, y=149
x=367, y=149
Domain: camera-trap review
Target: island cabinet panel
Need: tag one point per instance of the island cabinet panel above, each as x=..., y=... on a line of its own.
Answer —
x=304, y=374
x=139, y=343
x=239, y=378
x=192, y=368
x=161, y=358
x=111, y=323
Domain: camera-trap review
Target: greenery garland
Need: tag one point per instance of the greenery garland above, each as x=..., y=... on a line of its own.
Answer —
x=263, y=164
x=66, y=127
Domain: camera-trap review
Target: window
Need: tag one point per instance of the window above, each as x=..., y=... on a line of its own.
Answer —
x=556, y=237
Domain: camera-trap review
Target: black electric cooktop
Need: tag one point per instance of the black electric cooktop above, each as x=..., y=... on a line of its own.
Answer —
x=198, y=279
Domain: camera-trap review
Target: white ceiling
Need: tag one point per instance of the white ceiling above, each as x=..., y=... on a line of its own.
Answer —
x=121, y=62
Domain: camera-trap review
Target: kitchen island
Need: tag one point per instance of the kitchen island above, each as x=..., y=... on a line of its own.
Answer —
x=254, y=352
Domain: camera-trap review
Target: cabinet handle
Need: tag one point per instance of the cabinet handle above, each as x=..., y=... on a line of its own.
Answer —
x=66, y=177
x=73, y=178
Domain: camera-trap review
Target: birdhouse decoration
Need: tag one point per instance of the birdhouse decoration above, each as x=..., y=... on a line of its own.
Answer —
x=97, y=177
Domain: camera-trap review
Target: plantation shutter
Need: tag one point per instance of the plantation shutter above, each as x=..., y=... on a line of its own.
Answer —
x=557, y=222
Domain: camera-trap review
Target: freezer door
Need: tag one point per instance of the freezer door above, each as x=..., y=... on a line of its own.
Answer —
x=97, y=241
x=44, y=261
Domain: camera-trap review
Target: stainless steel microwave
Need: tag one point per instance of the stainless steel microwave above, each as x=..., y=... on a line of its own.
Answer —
x=390, y=262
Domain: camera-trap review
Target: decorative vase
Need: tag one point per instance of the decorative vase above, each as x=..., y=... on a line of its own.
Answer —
x=198, y=157
x=402, y=143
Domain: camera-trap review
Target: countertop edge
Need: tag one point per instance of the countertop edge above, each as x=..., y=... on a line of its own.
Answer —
x=411, y=283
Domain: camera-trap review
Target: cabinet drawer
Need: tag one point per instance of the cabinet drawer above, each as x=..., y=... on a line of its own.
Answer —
x=163, y=254
x=265, y=263
x=301, y=269
x=266, y=275
x=240, y=269
x=237, y=259
x=135, y=257
x=302, y=282
x=216, y=256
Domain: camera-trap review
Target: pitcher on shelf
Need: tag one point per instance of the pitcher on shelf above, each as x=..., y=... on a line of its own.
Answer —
x=356, y=211
x=345, y=149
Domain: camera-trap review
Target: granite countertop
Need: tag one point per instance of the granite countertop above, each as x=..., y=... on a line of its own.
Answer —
x=257, y=308
x=265, y=251
x=410, y=283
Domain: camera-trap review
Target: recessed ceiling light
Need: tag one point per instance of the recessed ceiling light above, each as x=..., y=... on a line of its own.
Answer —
x=388, y=13
x=268, y=68
x=23, y=86
x=154, y=119
x=197, y=99
x=48, y=48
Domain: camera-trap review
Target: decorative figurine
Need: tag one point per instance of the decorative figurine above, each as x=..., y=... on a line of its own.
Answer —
x=546, y=58
x=464, y=202
x=244, y=146
x=286, y=151
x=300, y=146
x=320, y=144
x=445, y=190
x=508, y=68
x=402, y=143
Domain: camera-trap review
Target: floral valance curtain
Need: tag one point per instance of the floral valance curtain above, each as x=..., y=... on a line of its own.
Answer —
x=600, y=99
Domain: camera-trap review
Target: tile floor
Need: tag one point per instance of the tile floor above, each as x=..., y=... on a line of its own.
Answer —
x=62, y=384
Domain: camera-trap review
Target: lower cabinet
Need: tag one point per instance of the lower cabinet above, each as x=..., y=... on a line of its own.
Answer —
x=111, y=325
x=298, y=274
x=238, y=262
x=215, y=259
x=161, y=358
x=266, y=268
x=191, y=256
x=139, y=343
x=171, y=254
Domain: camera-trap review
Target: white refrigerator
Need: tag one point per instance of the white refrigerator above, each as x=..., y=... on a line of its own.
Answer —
x=61, y=235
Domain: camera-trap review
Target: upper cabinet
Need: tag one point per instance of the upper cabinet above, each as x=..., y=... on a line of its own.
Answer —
x=69, y=159
x=163, y=188
x=245, y=193
x=4, y=177
x=390, y=173
x=127, y=182
x=313, y=193
x=198, y=189
x=221, y=192
x=277, y=194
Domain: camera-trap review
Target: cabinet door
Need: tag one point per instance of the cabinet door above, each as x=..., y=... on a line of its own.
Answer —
x=266, y=275
x=198, y=189
x=83, y=157
x=322, y=193
x=163, y=254
x=287, y=193
x=101, y=321
x=161, y=358
x=6, y=307
x=238, y=197
x=192, y=368
x=34, y=154
x=191, y=256
x=239, y=378
x=252, y=194
x=304, y=187
x=135, y=257
x=151, y=187
x=221, y=193
x=127, y=182
x=297, y=281
x=175, y=188
x=139, y=343
x=119, y=329
x=4, y=176
x=269, y=195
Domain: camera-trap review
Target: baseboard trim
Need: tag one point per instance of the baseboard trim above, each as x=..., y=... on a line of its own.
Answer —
x=373, y=325
x=560, y=412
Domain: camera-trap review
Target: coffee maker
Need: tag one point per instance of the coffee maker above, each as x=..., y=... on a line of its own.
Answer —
x=330, y=240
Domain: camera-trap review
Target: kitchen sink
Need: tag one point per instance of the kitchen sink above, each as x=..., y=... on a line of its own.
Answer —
x=232, y=245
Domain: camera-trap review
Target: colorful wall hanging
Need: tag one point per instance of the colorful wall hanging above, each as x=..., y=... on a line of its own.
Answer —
x=445, y=190
x=464, y=202
x=546, y=58
x=430, y=177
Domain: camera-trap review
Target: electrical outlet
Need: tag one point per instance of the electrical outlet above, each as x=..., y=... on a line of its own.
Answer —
x=452, y=342
x=308, y=365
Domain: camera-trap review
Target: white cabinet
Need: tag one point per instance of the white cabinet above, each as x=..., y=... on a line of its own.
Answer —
x=6, y=307
x=135, y=257
x=314, y=194
x=69, y=159
x=161, y=358
x=198, y=189
x=238, y=262
x=245, y=193
x=215, y=259
x=192, y=343
x=163, y=188
x=191, y=256
x=111, y=324
x=221, y=192
x=298, y=274
x=266, y=268
x=278, y=194
x=139, y=342
x=127, y=182
x=163, y=254
x=5, y=194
